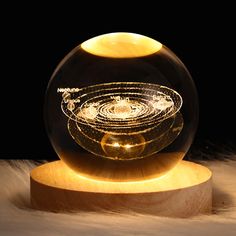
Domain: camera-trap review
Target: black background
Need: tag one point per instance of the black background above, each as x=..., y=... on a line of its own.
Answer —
x=34, y=38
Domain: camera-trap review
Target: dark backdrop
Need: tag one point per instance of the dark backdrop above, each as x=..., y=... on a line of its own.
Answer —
x=35, y=38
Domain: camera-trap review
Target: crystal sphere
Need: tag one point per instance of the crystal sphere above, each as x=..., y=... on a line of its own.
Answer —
x=121, y=107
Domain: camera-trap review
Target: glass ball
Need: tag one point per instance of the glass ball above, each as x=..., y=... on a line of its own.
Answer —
x=121, y=107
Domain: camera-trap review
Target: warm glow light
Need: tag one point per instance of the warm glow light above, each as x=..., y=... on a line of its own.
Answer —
x=127, y=146
x=116, y=144
x=177, y=178
x=121, y=106
x=121, y=45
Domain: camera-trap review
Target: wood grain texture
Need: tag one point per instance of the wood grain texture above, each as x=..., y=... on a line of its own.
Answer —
x=185, y=191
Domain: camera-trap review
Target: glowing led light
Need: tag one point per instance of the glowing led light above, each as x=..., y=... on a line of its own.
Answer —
x=121, y=45
x=117, y=103
x=116, y=144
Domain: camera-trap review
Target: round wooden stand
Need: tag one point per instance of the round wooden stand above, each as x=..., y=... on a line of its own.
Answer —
x=184, y=191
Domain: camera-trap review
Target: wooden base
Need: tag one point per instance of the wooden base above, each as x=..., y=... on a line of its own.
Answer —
x=184, y=191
